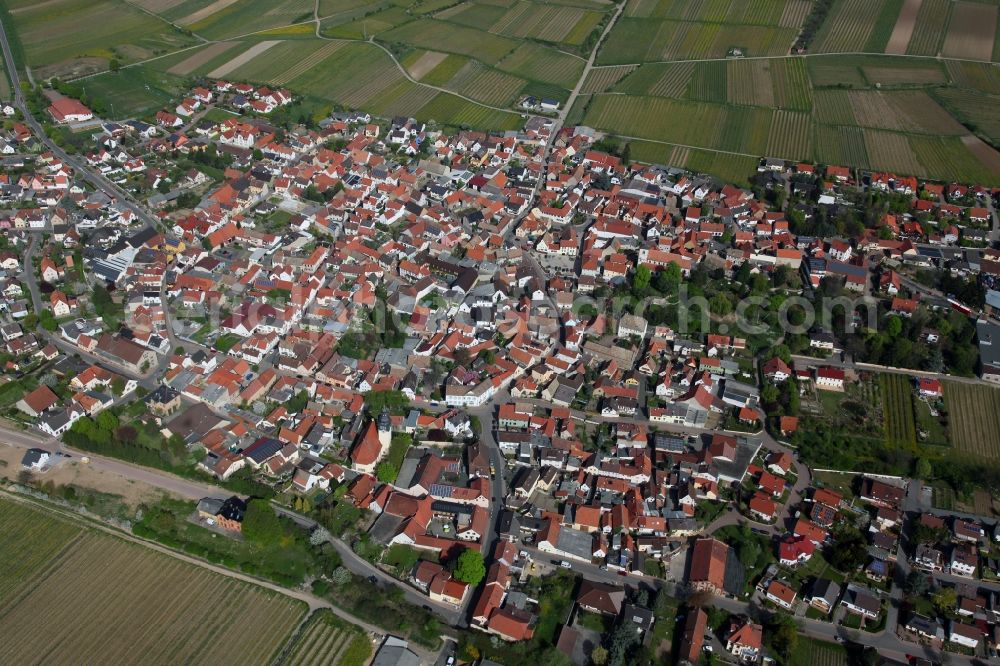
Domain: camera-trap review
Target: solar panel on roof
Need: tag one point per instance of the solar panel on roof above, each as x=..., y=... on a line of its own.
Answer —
x=441, y=490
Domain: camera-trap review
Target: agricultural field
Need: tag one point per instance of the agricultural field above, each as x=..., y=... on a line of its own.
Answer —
x=974, y=418
x=780, y=83
x=136, y=91
x=542, y=21
x=975, y=76
x=784, y=13
x=225, y=19
x=895, y=114
x=976, y=110
x=453, y=38
x=419, y=63
x=367, y=25
x=903, y=111
x=326, y=640
x=31, y=543
x=197, y=58
x=401, y=99
x=543, y=64
x=660, y=80
x=849, y=27
x=447, y=109
x=703, y=125
x=603, y=78
x=897, y=406
x=731, y=168
x=971, y=31
x=4, y=83
x=487, y=85
x=72, y=37
x=334, y=7
x=351, y=75
x=818, y=653
x=109, y=600
x=929, y=27
x=637, y=40
x=444, y=71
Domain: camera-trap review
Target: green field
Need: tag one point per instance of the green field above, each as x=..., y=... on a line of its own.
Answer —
x=906, y=115
x=366, y=25
x=494, y=53
x=812, y=652
x=246, y=16
x=732, y=168
x=328, y=640
x=849, y=27
x=750, y=132
x=136, y=91
x=931, y=26
x=974, y=418
x=666, y=73
x=109, y=600
x=5, y=88
x=897, y=409
x=452, y=38
x=71, y=37
x=976, y=110
x=544, y=64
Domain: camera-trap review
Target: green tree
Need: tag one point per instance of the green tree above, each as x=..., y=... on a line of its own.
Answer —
x=922, y=469
x=48, y=320
x=894, y=326
x=918, y=584
x=117, y=386
x=782, y=352
x=669, y=278
x=386, y=472
x=261, y=524
x=783, y=633
x=945, y=599
x=640, y=280
x=599, y=656
x=470, y=567
x=851, y=548
x=720, y=304
x=298, y=402
x=107, y=421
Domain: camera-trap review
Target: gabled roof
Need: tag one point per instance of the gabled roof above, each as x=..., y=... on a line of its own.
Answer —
x=41, y=399
x=708, y=562
x=368, y=448
x=604, y=598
